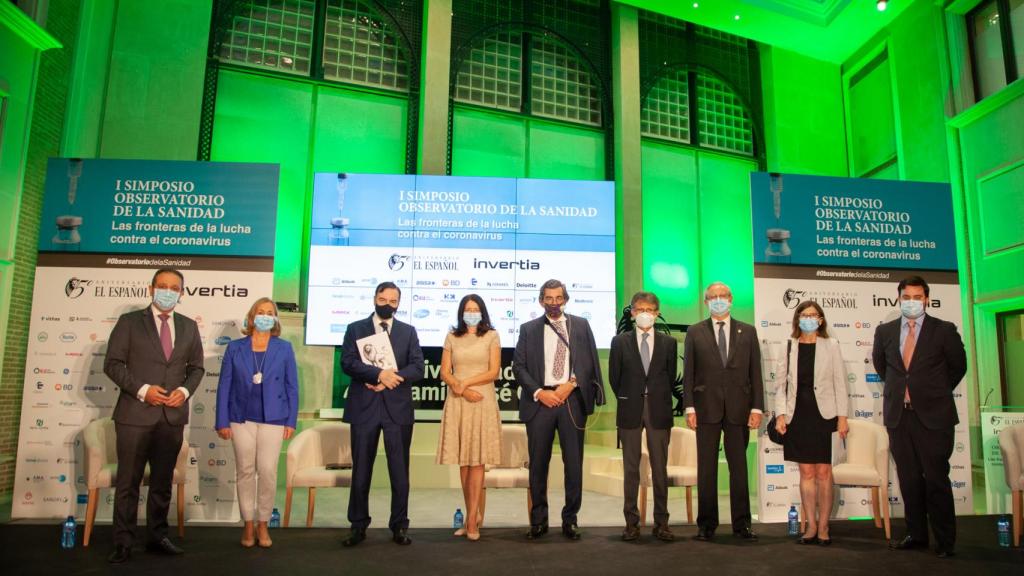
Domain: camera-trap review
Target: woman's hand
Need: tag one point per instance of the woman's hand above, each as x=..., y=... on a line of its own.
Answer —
x=288, y=432
x=472, y=395
x=224, y=433
x=456, y=386
x=843, y=427
x=780, y=424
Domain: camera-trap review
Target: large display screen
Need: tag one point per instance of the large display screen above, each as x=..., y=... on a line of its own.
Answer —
x=442, y=237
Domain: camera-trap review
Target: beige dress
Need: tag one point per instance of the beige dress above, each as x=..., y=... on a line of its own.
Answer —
x=470, y=431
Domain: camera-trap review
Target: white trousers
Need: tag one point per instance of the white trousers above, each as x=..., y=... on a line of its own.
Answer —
x=257, y=449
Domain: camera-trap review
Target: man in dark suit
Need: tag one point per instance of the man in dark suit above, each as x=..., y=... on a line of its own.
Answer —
x=155, y=357
x=921, y=359
x=642, y=371
x=556, y=366
x=380, y=401
x=723, y=395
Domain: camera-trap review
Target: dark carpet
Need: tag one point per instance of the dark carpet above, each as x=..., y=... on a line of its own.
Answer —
x=858, y=548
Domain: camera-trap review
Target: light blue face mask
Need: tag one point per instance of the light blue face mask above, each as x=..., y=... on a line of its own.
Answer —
x=472, y=318
x=719, y=306
x=264, y=322
x=912, y=309
x=808, y=325
x=165, y=299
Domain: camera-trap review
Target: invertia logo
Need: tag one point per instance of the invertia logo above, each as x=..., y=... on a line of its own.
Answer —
x=879, y=301
x=525, y=264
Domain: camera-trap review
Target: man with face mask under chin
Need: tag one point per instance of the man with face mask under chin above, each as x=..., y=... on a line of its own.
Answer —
x=559, y=376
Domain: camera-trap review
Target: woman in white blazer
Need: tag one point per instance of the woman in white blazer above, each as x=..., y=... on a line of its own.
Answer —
x=811, y=403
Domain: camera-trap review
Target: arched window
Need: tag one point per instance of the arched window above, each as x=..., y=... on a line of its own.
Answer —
x=561, y=85
x=723, y=120
x=362, y=48
x=666, y=111
x=491, y=73
x=274, y=34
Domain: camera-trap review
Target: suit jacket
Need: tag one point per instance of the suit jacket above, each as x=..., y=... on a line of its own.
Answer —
x=528, y=363
x=830, y=390
x=135, y=357
x=628, y=381
x=280, y=386
x=409, y=357
x=936, y=368
x=720, y=392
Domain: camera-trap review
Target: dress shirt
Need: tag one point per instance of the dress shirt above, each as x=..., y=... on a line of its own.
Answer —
x=727, y=327
x=141, y=394
x=551, y=341
x=905, y=327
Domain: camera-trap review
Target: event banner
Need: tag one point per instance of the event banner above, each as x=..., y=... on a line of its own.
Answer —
x=439, y=238
x=846, y=243
x=107, y=226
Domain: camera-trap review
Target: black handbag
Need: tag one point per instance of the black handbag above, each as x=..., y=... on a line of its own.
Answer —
x=773, y=433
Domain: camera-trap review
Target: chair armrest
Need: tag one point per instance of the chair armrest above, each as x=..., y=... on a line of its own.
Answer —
x=1011, y=458
x=303, y=452
x=95, y=443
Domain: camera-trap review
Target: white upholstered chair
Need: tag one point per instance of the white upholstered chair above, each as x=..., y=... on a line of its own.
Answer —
x=100, y=441
x=866, y=465
x=1011, y=444
x=309, y=455
x=514, y=470
x=682, y=468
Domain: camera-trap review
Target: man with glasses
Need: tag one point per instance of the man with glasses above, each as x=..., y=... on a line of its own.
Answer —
x=556, y=366
x=642, y=370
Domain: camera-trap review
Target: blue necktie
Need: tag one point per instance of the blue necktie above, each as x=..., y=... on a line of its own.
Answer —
x=645, y=352
x=721, y=343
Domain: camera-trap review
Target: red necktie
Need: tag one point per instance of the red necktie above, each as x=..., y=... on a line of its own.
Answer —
x=908, y=353
x=165, y=336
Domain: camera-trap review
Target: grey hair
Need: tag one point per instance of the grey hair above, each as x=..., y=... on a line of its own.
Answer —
x=649, y=297
x=707, y=291
x=551, y=285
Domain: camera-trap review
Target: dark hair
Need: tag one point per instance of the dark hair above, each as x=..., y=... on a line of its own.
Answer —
x=167, y=271
x=650, y=297
x=822, y=328
x=551, y=285
x=386, y=285
x=912, y=281
x=485, y=319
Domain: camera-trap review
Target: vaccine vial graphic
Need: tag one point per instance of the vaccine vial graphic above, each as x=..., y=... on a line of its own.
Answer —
x=778, y=251
x=338, y=235
x=67, y=238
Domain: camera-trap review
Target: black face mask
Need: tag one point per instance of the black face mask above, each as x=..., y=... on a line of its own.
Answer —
x=384, y=311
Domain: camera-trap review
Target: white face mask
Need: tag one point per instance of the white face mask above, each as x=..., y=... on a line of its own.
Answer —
x=644, y=320
x=912, y=309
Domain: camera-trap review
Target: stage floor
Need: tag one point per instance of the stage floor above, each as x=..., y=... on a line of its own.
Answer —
x=859, y=548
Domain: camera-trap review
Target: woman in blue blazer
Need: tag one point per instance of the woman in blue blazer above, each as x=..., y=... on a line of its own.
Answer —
x=257, y=405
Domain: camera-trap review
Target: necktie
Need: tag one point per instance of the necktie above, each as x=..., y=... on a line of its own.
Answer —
x=561, y=351
x=165, y=336
x=645, y=352
x=908, y=353
x=384, y=326
x=721, y=343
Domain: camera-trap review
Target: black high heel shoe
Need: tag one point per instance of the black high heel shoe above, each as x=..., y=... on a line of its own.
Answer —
x=805, y=541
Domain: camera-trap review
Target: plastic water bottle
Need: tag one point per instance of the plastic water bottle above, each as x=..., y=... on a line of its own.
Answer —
x=1003, y=527
x=794, y=521
x=67, y=533
x=275, y=519
x=459, y=521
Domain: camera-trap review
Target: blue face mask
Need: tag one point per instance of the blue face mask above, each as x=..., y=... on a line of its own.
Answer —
x=808, y=325
x=472, y=318
x=912, y=309
x=264, y=322
x=165, y=299
x=719, y=306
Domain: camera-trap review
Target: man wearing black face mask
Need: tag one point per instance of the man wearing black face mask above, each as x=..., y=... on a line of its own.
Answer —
x=556, y=366
x=380, y=401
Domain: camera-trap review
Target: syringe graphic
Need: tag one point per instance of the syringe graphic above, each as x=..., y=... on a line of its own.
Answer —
x=775, y=185
x=74, y=173
x=778, y=246
x=338, y=235
x=67, y=237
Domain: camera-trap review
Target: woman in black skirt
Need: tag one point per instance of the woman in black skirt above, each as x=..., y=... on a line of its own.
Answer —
x=813, y=406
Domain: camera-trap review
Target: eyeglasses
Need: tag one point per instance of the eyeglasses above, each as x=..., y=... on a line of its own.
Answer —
x=647, y=310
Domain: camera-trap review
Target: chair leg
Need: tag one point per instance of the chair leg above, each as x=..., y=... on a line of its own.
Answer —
x=689, y=504
x=287, y=505
x=885, y=513
x=181, y=510
x=90, y=514
x=643, y=505
x=876, y=507
x=1018, y=496
x=309, y=509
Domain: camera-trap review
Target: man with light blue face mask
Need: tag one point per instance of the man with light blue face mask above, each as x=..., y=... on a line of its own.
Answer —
x=155, y=357
x=921, y=360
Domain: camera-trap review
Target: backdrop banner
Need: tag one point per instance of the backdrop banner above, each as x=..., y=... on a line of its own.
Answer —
x=107, y=226
x=846, y=243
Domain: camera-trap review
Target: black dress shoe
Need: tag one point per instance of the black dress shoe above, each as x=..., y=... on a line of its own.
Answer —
x=945, y=553
x=806, y=541
x=356, y=536
x=663, y=532
x=400, y=537
x=631, y=533
x=825, y=541
x=536, y=531
x=705, y=534
x=571, y=531
x=746, y=534
x=120, y=555
x=907, y=543
x=164, y=546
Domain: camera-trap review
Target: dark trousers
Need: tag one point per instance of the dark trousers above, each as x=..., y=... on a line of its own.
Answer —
x=157, y=445
x=540, y=433
x=922, y=464
x=365, y=436
x=736, y=438
x=657, y=449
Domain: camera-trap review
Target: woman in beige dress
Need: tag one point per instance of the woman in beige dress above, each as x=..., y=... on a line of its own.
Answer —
x=471, y=425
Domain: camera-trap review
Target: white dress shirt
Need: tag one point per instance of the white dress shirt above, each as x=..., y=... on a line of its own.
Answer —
x=727, y=328
x=377, y=328
x=156, y=312
x=551, y=341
